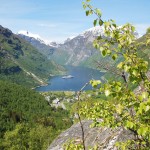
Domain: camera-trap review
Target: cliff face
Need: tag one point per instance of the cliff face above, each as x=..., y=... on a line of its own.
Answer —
x=104, y=138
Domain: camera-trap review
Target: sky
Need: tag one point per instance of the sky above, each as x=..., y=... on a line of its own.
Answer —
x=56, y=20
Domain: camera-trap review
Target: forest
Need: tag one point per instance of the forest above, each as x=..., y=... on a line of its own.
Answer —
x=27, y=120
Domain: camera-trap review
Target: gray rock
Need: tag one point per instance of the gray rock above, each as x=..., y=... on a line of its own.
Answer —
x=105, y=138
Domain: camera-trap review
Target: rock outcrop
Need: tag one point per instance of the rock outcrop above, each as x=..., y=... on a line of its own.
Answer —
x=104, y=138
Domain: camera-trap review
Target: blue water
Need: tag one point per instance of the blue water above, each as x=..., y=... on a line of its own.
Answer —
x=81, y=75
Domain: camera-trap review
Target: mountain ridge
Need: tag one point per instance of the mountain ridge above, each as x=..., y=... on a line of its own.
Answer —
x=77, y=50
x=37, y=37
x=22, y=63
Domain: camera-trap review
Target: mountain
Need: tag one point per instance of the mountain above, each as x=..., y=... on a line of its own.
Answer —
x=45, y=47
x=76, y=51
x=144, y=49
x=79, y=50
x=20, y=62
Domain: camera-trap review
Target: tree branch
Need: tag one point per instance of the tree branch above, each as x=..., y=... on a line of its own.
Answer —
x=79, y=117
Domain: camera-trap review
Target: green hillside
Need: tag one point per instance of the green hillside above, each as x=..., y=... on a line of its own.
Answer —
x=22, y=63
x=144, y=49
x=27, y=121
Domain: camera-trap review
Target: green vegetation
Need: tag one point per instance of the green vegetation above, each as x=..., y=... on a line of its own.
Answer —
x=60, y=56
x=148, y=30
x=22, y=63
x=27, y=120
x=122, y=106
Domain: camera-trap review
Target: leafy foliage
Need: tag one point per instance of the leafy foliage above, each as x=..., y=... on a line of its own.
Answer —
x=124, y=107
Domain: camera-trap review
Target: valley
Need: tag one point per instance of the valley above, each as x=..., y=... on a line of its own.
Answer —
x=40, y=83
x=76, y=51
x=22, y=63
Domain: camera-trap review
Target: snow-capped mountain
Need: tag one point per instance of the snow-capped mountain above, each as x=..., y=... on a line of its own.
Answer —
x=76, y=50
x=73, y=51
x=44, y=46
x=37, y=37
x=79, y=50
x=94, y=31
x=29, y=34
x=89, y=34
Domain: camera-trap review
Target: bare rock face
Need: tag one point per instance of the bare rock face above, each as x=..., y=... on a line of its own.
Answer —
x=105, y=138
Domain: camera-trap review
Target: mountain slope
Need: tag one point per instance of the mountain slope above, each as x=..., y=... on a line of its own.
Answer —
x=144, y=49
x=26, y=117
x=77, y=50
x=22, y=63
x=43, y=46
x=80, y=51
x=73, y=51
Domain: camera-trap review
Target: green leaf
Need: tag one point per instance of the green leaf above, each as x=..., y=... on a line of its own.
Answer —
x=98, y=12
x=142, y=108
x=119, y=108
x=142, y=131
x=96, y=45
x=135, y=72
x=118, y=88
x=132, y=28
x=114, y=25
x=101, y=48
x=114, y=56
x=148, y=42
x=126, y=68
x=95, y=83
x=101, y=22
x=84, y=5
x=129, y=124
x=87, y=12
x=145, y=95
x=104, y=53
x=107, y=92
x=95, y=22
x=147, y=108
x=120, y=65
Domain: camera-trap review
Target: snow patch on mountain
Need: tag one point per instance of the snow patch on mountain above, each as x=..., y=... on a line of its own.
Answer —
x=89, y=34
x=95, y=31
x=29, y=34
x=38, y=38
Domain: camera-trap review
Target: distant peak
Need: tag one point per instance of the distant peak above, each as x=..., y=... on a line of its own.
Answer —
x=69, y=39
x=95, y=31
x=95, y=28
x=27, y=33
x=37, y=37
